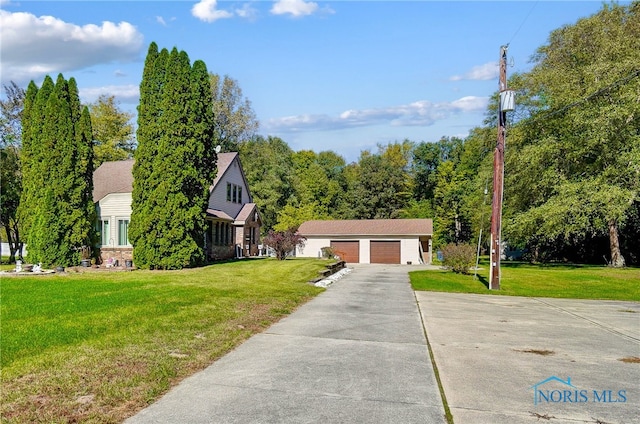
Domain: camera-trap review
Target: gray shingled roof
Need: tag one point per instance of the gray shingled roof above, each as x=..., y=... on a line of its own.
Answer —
x=113, y=177
x=224, y=160
x=117, y=176
x=246, y=212
x=367, y=227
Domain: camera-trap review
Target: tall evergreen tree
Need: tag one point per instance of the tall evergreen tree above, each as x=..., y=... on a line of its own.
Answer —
x=142, y=231
x=56, y=204
x=31, y=155
x=175, y=162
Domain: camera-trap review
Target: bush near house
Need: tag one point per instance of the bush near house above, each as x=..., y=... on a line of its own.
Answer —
x=328, y=252
x=284, y=242
x=458, y=257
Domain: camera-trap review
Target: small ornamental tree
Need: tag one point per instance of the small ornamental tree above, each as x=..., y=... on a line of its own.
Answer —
x=458, y=257
x=284, y=242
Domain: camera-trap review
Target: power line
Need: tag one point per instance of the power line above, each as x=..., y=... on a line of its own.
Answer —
x=601, y=91
x=523, y=22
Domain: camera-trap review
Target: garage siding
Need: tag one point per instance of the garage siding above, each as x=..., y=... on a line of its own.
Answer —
x=385, y=252
x=349, y=251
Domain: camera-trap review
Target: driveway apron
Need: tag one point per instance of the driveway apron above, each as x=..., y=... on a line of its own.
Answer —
x=355, y=354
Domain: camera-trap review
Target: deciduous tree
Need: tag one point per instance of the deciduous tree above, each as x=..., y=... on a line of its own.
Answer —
x=268, y=166
x=10, y=177
x=234, y=119
x=113, y=133
x=582, y=142
x=284, y=243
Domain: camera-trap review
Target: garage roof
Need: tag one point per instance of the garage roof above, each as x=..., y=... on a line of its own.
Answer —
x=367, y=227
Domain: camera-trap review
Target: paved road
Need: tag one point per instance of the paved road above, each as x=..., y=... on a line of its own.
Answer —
x=355, y=354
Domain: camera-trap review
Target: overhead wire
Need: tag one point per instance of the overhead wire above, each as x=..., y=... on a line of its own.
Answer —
x=597, y=93
x=523, y=22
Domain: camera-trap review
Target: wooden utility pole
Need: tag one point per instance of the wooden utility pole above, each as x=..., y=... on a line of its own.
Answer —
x=505, y=104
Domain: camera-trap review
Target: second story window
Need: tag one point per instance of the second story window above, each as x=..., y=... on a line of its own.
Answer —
x=234, y=193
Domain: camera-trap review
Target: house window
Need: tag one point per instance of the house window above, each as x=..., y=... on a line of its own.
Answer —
x=123, y=232
x=105, y=231
x=234, y=193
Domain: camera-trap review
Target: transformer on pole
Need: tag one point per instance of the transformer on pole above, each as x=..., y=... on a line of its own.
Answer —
x=506, y=103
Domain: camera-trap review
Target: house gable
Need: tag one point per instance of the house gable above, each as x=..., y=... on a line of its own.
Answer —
x=230, y=191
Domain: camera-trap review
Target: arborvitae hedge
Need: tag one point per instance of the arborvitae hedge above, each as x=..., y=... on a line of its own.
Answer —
x=56, y=206
x=174, y=162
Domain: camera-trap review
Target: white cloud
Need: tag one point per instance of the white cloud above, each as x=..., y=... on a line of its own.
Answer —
x=206, y=10
x=163, y=22
x=294, y=7
x=248, y=12
x=484, y=72
x=125, y=93
x=470, y=104
x=34, y=46
x=420, y=113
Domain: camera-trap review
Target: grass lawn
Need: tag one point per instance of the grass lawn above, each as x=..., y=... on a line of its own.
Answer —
x=518, y=279
x=99, y=346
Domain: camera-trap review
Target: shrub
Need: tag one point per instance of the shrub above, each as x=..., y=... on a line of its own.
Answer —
x=284, y=242
x=327, y=252
x=458, y=257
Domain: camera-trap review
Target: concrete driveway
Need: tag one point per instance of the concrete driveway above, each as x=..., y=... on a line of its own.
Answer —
x=529, y=360
x=357, y=353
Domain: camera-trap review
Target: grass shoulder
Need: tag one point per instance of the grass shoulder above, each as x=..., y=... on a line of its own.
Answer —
x=521, y=279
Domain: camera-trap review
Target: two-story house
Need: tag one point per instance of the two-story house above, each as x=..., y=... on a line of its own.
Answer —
x=233, y=219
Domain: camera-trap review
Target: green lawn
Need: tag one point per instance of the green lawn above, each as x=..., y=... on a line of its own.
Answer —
x=518, y=279
x=99, y=346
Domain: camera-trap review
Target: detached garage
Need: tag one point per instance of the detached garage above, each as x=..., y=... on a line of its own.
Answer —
x=376, y=241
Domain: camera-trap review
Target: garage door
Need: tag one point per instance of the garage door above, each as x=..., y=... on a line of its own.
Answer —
x=385, y=252
x=349, y=251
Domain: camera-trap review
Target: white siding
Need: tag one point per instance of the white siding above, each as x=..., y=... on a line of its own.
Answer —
x=113, y=207
x=218, y=197
x=409, y=247
x=115, y=204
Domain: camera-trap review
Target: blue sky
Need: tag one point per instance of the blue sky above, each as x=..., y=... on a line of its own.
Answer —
x=336, y=75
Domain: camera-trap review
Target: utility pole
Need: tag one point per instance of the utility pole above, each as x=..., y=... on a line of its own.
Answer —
x=506, y=103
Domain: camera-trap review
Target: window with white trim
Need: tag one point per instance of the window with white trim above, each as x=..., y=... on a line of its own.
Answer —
x=123, y=232
x=104, y=230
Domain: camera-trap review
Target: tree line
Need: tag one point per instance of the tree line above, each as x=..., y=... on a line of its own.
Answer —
x=572, y=173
